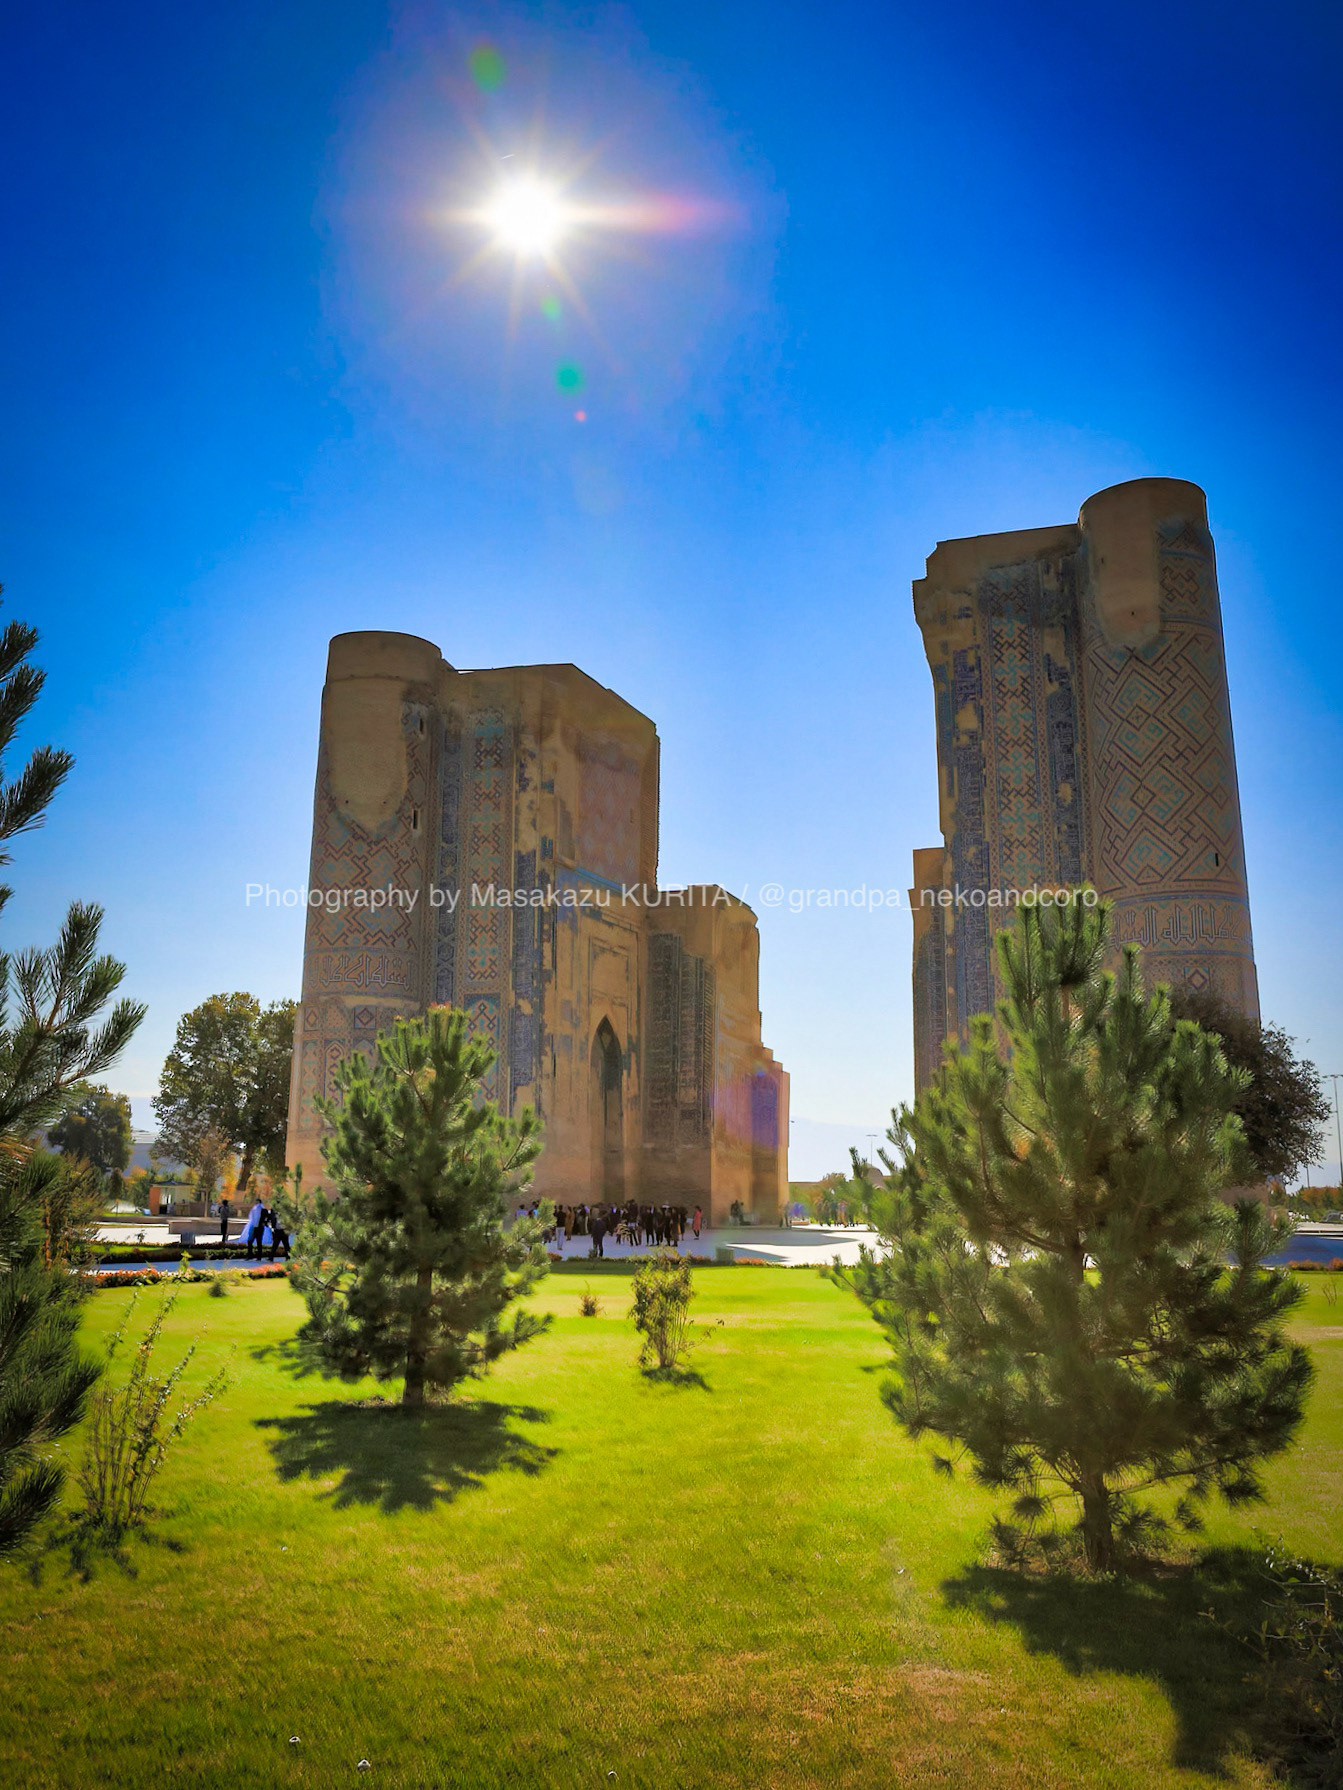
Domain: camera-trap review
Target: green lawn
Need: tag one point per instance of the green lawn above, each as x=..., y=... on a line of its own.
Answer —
x=750, y=1578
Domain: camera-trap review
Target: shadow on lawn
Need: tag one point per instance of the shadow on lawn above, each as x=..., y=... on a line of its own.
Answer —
x=85, y=1550
x=397, y=1458
x=291, y=1357
x=676, y=1376
x=1187, y=1627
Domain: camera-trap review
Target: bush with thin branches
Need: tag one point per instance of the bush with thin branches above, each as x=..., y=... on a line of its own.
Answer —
x=132, y=1427
x=663, y=1289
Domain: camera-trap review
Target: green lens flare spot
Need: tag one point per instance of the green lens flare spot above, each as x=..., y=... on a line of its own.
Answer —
x=487, y=68
x=569, y=377
x=552, y=308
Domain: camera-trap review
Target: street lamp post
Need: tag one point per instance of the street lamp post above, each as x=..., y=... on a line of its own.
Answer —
x=1338, y=1122
x=1307, y=1165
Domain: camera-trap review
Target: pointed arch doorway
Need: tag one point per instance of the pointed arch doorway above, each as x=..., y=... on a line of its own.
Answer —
x=608, y=1116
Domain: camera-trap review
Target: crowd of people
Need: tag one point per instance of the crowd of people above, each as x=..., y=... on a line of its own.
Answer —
x=645, y=1226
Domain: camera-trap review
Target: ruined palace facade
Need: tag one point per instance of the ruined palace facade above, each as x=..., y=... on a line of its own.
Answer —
x=514, y=814
x=1083, y=736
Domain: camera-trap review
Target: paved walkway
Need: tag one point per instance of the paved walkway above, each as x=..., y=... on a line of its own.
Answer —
x=155, y=1233
x=148, y=1231
x=802, y=1245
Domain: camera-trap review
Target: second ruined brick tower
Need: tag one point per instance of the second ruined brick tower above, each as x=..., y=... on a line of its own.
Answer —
x=1083, y=736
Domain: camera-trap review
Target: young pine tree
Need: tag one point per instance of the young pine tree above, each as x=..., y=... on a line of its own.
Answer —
x=1068, y=1298
x=409, y=1269
x=45, y=1377
x=54, y=1034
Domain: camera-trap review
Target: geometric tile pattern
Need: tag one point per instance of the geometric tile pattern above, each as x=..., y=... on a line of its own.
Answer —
x=679, y=1053
x=482, y=951
x=483, y=931
x=1164, y=780
x=349, y=952
x=1066, y=758
x=1170, y=851
x=1010, y=734
x=930, y=994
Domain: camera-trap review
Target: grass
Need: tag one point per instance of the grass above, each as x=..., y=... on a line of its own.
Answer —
x=745, y=1576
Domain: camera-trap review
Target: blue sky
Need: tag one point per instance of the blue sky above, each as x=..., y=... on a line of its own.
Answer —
x=965, y=265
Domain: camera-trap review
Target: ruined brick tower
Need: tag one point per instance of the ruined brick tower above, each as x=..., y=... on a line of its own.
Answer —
x=1083, y=736
x=519, y=808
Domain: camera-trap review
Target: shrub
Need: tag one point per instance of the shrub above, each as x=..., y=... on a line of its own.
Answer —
x=589, y=1304
x=1301, y=1642
x=131, y=1429
x=663, y=1290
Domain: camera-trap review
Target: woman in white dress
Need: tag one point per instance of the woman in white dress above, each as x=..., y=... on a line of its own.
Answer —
x=251, y=1232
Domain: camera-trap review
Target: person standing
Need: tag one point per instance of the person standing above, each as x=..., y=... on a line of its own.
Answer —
x=251, y=1234
x=279, y=1236
x=696, y=1222
x=225, y=1213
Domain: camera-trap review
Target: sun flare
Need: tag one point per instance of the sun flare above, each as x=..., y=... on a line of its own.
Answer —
x=527, y=216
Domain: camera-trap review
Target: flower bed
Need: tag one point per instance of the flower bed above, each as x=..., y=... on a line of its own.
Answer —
x=112, y=1253
x=630, y=1261
x=148, y=1277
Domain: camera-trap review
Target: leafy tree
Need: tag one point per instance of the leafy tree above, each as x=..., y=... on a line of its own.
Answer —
x=96, y=1128
x=138, y=1184
x=69, y=1211
x=228, y=1073
x=1057, y=1293
x=1283, y=1107
x=53, y=1035
x=213, y=1159
x=1313, y=1202
x=825, y=1200
x=409, y=1270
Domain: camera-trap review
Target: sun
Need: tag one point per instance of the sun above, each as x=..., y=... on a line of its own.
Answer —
x=527, y=216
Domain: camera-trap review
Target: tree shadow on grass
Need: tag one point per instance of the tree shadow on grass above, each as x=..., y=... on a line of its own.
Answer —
x=300, y=1361
x=403, y=1459
x=676, y=1376
x=85, y=1550
x=1187, y=1627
